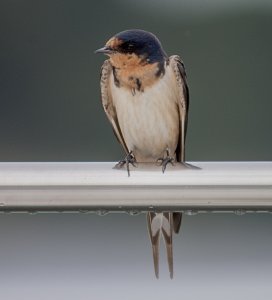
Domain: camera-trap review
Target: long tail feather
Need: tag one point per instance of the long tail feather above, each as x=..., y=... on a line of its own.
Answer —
x=154, y=233
x=163, y=224
x=167, y=229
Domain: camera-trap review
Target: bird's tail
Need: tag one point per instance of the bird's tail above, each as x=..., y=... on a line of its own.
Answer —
x=163, y=224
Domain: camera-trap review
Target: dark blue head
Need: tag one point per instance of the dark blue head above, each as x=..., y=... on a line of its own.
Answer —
x=142, y=43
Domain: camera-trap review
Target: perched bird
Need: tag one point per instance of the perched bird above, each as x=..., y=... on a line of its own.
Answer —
x=146, y=99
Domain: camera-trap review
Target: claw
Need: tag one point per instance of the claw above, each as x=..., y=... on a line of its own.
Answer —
x=129, y=159
x=164, y=161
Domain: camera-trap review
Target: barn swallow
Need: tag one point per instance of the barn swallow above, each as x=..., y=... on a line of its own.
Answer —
x=146, y=99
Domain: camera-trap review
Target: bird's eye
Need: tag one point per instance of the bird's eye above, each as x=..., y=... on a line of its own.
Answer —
x=127, y=47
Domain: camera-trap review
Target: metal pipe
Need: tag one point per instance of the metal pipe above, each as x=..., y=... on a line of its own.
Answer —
x=96, y=187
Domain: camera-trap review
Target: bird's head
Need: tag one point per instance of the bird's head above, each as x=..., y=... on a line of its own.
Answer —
x=134, y=45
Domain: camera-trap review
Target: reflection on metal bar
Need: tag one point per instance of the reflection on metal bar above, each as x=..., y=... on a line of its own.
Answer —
x=96, y=187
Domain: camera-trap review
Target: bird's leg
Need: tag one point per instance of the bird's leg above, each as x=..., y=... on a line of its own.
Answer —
x=164, y=161
x=129, y=159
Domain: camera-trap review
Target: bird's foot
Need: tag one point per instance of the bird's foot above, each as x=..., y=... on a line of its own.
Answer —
x=129, y=159
x=164, y=161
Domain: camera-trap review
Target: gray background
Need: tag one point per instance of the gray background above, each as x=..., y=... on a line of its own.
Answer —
x=51, y=111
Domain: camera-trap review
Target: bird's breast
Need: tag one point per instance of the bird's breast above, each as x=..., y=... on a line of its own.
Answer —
x=149, y=119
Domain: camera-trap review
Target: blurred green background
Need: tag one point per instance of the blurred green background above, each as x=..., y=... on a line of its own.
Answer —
x=50, y=110
x=50, y=106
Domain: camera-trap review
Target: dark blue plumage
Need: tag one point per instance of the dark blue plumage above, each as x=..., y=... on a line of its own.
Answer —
x=142, y=43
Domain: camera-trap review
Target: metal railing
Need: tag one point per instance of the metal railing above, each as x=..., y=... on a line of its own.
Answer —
x=96, y=187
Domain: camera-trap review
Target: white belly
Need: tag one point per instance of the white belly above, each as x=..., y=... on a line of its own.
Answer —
x=149, y=120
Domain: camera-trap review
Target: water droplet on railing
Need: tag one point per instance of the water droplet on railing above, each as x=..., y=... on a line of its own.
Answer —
x=32, y=212
x=102, y=212
x=191, y=212
x=239, y=212
x=133, y=212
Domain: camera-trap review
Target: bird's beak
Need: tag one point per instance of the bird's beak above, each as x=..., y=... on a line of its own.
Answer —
x=105, y=50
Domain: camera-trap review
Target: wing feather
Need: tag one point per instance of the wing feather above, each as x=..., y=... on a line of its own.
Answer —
x=183, y=103
x=107, y=102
